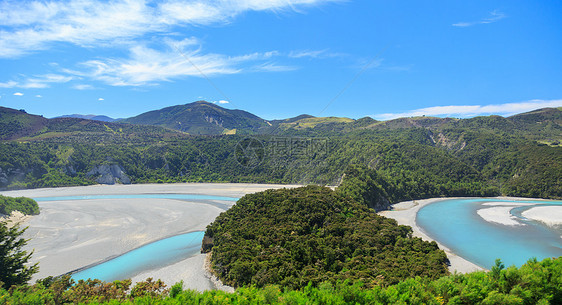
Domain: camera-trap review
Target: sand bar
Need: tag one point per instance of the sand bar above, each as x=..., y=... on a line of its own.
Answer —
x=499, y=214
x=68, y=235
x=511, y=204
x=549, y=215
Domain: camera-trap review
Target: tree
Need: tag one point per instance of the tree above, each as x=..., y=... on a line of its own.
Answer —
x=14, y=267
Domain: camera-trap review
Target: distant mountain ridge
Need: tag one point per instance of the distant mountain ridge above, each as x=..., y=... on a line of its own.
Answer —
x=421, y=157
x=204, y=118
x=19, y=125
x=102, y=118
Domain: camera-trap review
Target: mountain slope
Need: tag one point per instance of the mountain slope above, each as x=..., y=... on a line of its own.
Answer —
x=93, y=117
x=202, y=118
x=21, y=126
x=17, y=123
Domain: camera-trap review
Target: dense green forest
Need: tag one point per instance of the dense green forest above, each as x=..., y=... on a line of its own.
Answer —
x=316, y=244
x=487, y=165
x=312, y=234
x=25, y=205
x=533, y=283
x=419, y=157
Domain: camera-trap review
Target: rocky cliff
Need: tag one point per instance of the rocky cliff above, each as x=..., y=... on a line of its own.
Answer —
x=109, y=174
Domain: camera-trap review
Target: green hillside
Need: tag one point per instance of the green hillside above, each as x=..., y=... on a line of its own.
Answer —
x=482, y=156
x=470, y=163
x=17, y=123
x=292, y=237
x=201, y=118
x=20, y=126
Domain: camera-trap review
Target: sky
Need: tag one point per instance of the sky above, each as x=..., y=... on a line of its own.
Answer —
x=282, y=58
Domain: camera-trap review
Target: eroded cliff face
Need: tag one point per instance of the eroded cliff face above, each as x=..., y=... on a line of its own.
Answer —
x=109, y=174
x=8, y=175
x=381, y=204
x=449, y=143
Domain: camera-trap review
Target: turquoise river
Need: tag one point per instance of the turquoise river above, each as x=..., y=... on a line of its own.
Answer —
x=457, y=225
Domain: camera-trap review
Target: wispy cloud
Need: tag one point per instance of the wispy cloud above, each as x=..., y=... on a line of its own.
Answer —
x=9, y=84
x=314, y=54
x=492, y=17
x=83, y=87
x=37, y=82
x=221, y=102
x=273, y=67
x=18, y=94
x=101, y=99
x=177, y=59
x=473, y=110
x=31, y=26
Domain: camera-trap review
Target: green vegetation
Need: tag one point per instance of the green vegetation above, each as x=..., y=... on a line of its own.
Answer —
x=311, y=234
x=328, y=245
x=533, y=283
x=466, y=163
x=365, y=186
x=25, y=205
x=14, y=267
x=416, y=157
x=16, y=123
x=314, y=122
x=20, y=126
x=202, y=118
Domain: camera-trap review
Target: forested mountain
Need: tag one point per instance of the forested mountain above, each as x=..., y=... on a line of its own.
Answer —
x=202, y=118
x=17, y=123
x=22, y=127
x=484, y=156
x=93, y=117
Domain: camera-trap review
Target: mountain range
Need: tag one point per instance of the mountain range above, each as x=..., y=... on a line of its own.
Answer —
x=93, y=117
x=203, y=118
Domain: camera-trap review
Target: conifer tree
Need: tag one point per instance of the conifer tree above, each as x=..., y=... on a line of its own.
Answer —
x=14, y=267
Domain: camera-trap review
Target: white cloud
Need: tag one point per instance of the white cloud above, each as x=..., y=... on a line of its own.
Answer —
x=148, y=66
x=37, y=82
x=36, y=25
x=39, y=96
x=101, y=99
x=473, y=110
x=314, y=54
x=221, y=102
x=300, y=54
x=83, y=87
x=272, y=67
x=492, y=17
x=10, y=84
x=18, y=94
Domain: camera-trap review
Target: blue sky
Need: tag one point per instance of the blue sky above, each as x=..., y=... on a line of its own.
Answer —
x=282, y=58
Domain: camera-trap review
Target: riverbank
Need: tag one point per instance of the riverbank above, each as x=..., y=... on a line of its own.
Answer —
x=68, y=235
x=405, y=214
x=16, y=217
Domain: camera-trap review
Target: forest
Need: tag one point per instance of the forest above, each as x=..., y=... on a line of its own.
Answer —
x=533, y=283
x=293, y=237
x=25, y=205
x=471, y=163
x=263, y=245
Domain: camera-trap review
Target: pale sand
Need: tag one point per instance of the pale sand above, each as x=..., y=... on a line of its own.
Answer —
x=15, y=218
x=499, y=214
x=405, y=214
x=68, y=235
x=511, y=204
x=551, y=216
